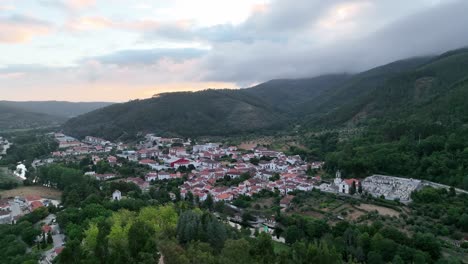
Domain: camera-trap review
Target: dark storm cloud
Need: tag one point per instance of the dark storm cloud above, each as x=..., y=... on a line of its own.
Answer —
x=435, y=29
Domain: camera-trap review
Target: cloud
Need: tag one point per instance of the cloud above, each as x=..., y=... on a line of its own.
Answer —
x=279, y=39
x=150, y=56
x=93, y=81
x=78, y=4
x=19, y=28
x=69, y=5
x=89, y=23
x=336, y=38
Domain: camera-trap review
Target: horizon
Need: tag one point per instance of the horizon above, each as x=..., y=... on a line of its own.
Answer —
x=91, y=51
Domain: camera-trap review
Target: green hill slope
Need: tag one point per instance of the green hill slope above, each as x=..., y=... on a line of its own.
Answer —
x=16, y=118
x=57, y=108
x=210, y=112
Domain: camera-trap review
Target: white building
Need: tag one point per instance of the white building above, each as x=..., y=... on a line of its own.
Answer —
x=116, y=195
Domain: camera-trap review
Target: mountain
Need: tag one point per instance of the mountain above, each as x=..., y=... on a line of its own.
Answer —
x=17, y=118
x=19, y=115
x=286, y=94
x=210, y=112
x=57, y=108
x=396, y=90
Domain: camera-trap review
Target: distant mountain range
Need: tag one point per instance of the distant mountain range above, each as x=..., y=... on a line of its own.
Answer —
x=424, y=87
x=17, y=115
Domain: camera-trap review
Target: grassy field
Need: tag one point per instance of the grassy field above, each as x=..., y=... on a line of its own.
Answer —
x=33, y=190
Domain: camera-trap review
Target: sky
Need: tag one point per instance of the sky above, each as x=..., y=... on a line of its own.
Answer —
x=119, y=50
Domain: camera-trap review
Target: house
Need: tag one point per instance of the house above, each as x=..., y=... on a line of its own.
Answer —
x=180, y=162
x=234, y=173
x=210, y=164
x=116, y=195
x=223, y=197
x=293, y=160
x=112, y=160
x=151, y=176
x=139, y=182
x=149, y=162
x=104, y=177
x=346, y=184
x=305, y=187
x=96, y=141
x=5, y=217
x=68, y=144
x=35, y=205
x=32, y=198
x=164, y=175
x=4, y=205
x=177, y=151
x=286, y=201
x=317, y=164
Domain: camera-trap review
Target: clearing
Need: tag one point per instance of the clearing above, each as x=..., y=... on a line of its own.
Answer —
x=382, y=210
x=42, y=191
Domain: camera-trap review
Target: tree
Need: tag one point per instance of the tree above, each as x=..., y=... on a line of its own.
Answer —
x=173, y=253
x=216, y=233
x=49, y=238
x=352, y=189
x=208, y=203
x=374, y=258
x=428, y=243
x=199, y=252
x=452, y=192
x=90, y=240
x=463, y=222
x=236, y=251
x=292, y=234
x=141, y=238
x=263, y=249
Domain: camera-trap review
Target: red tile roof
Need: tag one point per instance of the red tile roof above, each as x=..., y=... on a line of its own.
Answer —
x=31, y=198
x=36, y=204
x=46, y=228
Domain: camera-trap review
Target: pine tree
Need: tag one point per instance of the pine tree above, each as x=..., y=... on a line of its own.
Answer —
x=50, y=240
x=352, y=190
x=208, y=203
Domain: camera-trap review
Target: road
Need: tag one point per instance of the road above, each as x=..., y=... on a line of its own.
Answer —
x=59, y=239
x=15, y=209
x=49, y=219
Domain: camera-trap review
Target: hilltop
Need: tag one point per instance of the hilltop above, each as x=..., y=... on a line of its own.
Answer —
x=33, y=114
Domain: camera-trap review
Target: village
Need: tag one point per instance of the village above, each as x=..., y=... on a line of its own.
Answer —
x=204, y=171
x=205, y=166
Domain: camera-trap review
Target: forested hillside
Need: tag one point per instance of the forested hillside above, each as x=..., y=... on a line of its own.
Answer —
x=57, y=108
x=412, y=125
x=15, y=118
x=210, y=112
x=34, y=114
